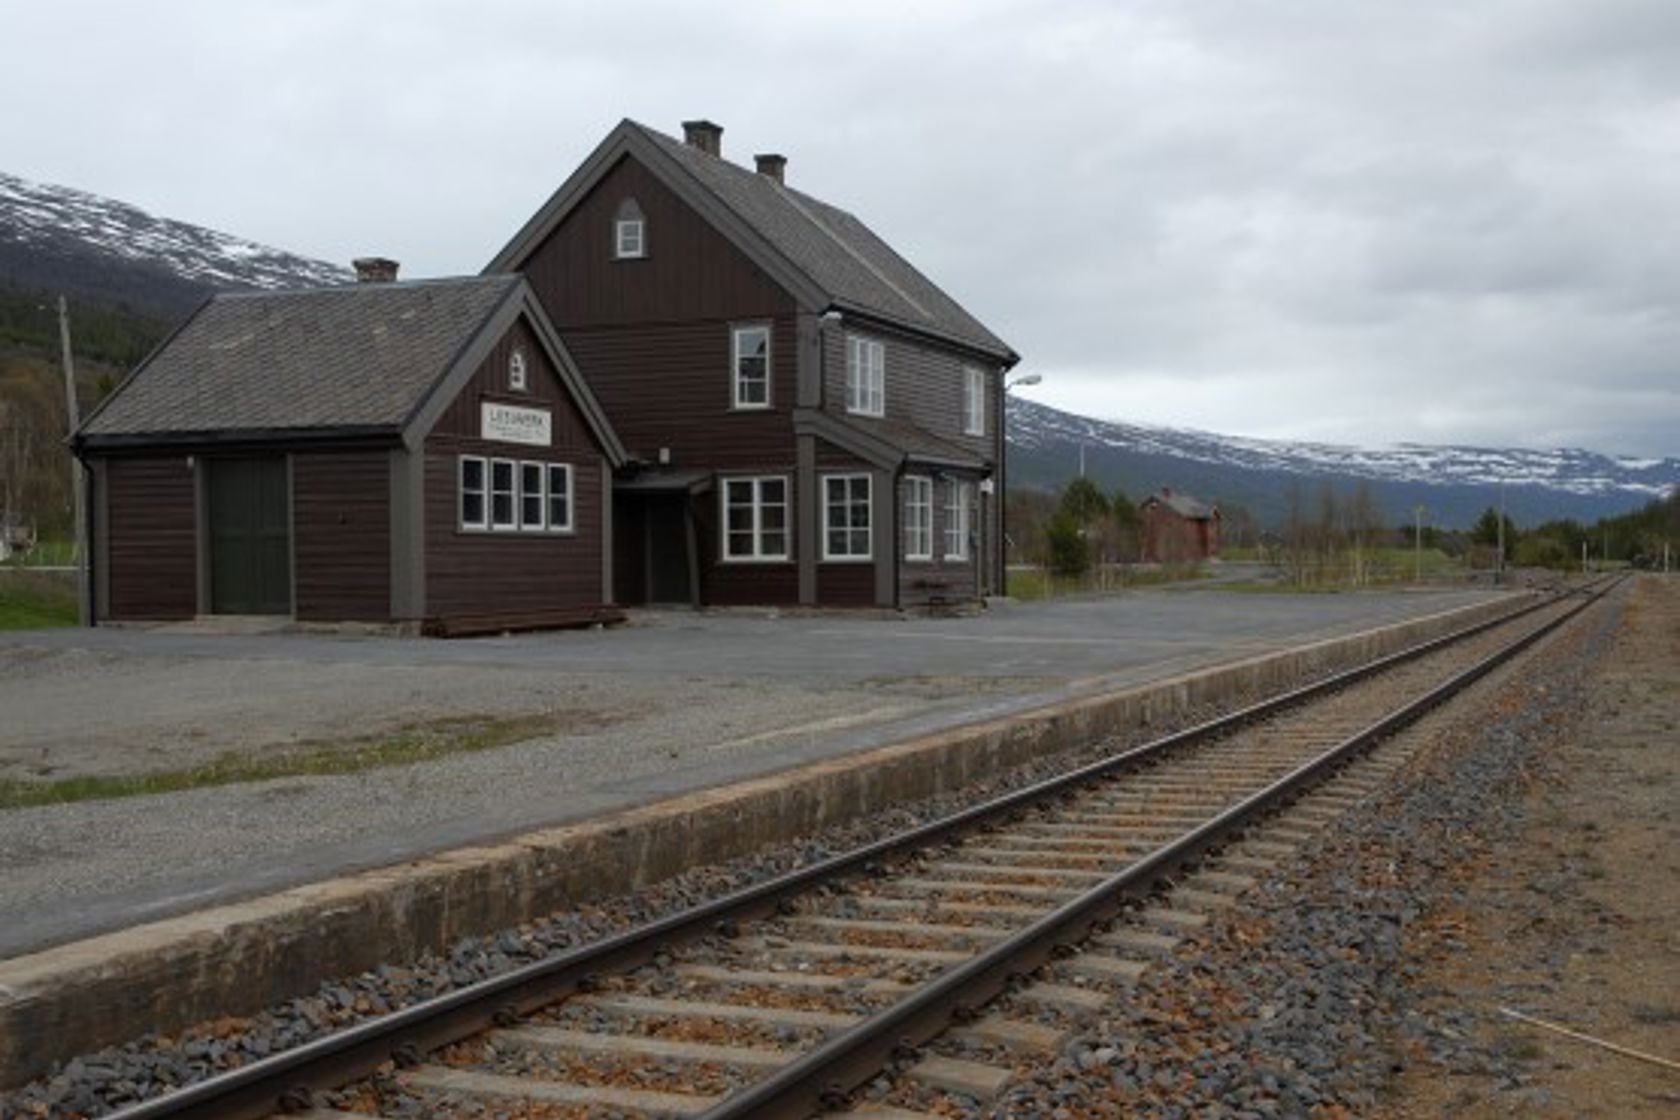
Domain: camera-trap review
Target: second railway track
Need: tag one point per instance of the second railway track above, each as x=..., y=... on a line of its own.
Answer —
x=943, y=956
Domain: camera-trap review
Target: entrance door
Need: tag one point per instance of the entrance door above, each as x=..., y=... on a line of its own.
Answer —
x=667, y=555
x=250, y=537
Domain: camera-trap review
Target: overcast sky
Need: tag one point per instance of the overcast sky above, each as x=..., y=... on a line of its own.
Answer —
x=1356, y=222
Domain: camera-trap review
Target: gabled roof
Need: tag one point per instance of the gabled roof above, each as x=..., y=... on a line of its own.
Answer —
x=825, y=256
x=1184, y=505
x=888, y=444
x=355, y=360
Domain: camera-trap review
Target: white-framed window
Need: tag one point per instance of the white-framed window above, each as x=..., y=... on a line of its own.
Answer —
x=866, y=376
x=846, y=517
x=918, y=518
x=750, y=363
x=516, y=370
x=504, y=495
x=974, y=402
x=629, y=238
x=957, y=497
x=559, y=497
x=531, y=511
x=755, y=518
x=473, y=509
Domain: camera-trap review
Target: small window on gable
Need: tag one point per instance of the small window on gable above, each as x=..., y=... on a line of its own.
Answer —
x=629, y=232
x=516, y=371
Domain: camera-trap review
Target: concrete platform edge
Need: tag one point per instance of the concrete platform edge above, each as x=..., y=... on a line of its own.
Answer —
x=236, y=959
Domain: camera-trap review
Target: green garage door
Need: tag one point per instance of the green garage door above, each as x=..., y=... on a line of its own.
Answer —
x=250, y=538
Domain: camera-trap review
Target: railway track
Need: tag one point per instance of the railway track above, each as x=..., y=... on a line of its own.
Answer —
x=929, y=964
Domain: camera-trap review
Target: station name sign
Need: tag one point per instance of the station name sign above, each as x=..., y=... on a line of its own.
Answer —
x=508, y=423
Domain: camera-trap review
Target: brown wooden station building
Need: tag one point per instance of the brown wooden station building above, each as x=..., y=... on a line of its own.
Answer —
x=681, y=382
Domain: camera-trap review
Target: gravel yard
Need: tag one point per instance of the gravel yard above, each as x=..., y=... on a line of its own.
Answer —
x=676, y=702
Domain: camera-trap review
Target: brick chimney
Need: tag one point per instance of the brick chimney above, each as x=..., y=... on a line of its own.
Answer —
x=705, y=135
x=772, y=165
x=375, y=270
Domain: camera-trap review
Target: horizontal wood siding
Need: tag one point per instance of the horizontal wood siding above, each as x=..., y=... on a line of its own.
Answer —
x=924, y=385
x=668, y=385
x=652, y=335
x=153, y=546
x=477, y=572
x=341, y=536
x=846, y=585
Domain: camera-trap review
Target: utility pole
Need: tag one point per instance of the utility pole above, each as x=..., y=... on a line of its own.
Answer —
x=77, y=489
x=1499, y=564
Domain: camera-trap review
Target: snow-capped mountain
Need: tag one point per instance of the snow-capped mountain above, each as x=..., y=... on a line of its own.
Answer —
x=58, y=238
x=1455, y=482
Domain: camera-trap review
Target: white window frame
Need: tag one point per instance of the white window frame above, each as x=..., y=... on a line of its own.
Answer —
x=866, y=376
x=956, y=519
x=735, y=380
x=511, y=525
x=462, y=491
x=757, y=505
x=517, y=379
x=525, y=495
x=918, y=494
x=565, y=471
x=974, y=401
x=868, y=552
x=629, y=238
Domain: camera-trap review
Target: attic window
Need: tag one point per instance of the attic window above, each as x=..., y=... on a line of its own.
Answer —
x=516, y=371
x=629, y=232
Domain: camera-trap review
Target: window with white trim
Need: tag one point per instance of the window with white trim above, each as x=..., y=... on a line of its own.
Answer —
x=846, y=517
x=516, y=370
x=918, y=518
x=755, y=518
x=472, y=493
x=974, y=402
x=629, y=238
x=504, y=492
x=560, y=497
x=866, y=376
x=956, y=519
x=750, y=363
x=531, y=512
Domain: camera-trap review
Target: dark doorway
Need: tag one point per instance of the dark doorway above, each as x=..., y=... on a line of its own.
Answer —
x=250, y=537
x=668, y=550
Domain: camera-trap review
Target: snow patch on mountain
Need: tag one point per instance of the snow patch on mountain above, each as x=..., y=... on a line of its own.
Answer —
x=1034, y=426
x=47, y=217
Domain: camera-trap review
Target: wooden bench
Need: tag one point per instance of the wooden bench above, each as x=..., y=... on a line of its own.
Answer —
x=502, y=622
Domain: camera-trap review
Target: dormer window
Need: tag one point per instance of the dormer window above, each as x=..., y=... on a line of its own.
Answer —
x=629, y=232
x=516, y=371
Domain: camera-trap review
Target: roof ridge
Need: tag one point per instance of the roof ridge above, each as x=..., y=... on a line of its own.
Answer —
x=353, y=286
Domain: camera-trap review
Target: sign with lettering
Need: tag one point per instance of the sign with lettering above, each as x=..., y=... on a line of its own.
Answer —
x=508, y=423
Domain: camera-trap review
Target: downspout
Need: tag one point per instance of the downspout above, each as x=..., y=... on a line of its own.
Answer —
x=898, y=546
x=1000, y=573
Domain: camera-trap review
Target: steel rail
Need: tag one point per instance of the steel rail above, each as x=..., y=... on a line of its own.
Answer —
x=286, y=1081
x=821, y=1078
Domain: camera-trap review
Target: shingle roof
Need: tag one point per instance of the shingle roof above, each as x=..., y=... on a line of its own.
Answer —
x=835, y=250
x=359, y=356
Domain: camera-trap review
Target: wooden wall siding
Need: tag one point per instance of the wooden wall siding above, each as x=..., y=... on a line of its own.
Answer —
x=691, y=272
x=461, y=420
x=341, y=536
x=924, y=387
x=846, y=585
x=833, y=460
x=484, y=572
x=668, y=385
x=153, y=545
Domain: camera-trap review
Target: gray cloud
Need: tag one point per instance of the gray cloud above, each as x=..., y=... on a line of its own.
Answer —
x=1360, y=222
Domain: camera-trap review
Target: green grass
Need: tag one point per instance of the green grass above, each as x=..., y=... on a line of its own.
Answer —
x=1037, y=583
x=35, y=601
x=418, y=742
x=47, y=553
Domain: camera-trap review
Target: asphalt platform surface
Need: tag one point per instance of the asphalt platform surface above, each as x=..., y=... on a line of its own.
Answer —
x=671, y=703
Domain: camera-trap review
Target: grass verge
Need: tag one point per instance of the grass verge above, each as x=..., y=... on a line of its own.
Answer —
x=419, y=742
x=35, y=601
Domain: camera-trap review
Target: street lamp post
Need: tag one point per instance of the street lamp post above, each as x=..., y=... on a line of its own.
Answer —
x=1002, y=479
x=1417, y=543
